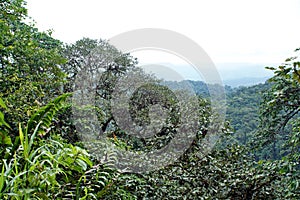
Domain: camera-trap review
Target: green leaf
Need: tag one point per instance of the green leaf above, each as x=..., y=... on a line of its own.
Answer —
x=5, y=138
x=2, y=179
x=2, y=121
x=2, y=104
x=45, y=114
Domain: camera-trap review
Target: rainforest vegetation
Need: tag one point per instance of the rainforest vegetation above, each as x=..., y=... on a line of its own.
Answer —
x=44, y=155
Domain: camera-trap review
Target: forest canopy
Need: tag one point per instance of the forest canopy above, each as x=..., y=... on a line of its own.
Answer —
x=44, y=153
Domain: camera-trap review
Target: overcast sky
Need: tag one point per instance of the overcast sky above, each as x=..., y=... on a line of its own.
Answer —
x=230, y=31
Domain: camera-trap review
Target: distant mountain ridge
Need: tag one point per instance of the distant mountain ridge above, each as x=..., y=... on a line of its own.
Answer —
x=200, y=87
x=246, y=81
x=197, y=87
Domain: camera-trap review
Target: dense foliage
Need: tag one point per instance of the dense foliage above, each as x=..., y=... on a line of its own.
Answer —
x=42, y=155
x=29, y=64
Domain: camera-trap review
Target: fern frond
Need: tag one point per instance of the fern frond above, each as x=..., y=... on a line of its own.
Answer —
x=45, y=115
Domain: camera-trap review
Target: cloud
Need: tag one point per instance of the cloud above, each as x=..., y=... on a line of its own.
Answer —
x=229, y=31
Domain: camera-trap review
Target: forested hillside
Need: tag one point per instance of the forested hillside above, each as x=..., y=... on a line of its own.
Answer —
x=243, y=113
x=50, y=149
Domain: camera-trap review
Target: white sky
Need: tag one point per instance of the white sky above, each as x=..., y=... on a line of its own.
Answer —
x=230, y=31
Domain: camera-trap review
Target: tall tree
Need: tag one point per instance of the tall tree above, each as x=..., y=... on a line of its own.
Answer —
x=95, y=66
x=29, y=63
x=281, y=104
x=280, y=118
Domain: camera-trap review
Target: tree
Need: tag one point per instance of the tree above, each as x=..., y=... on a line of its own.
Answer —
x=280, y=119
x=29, y=64
x=281, y=104
x=94, y=66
